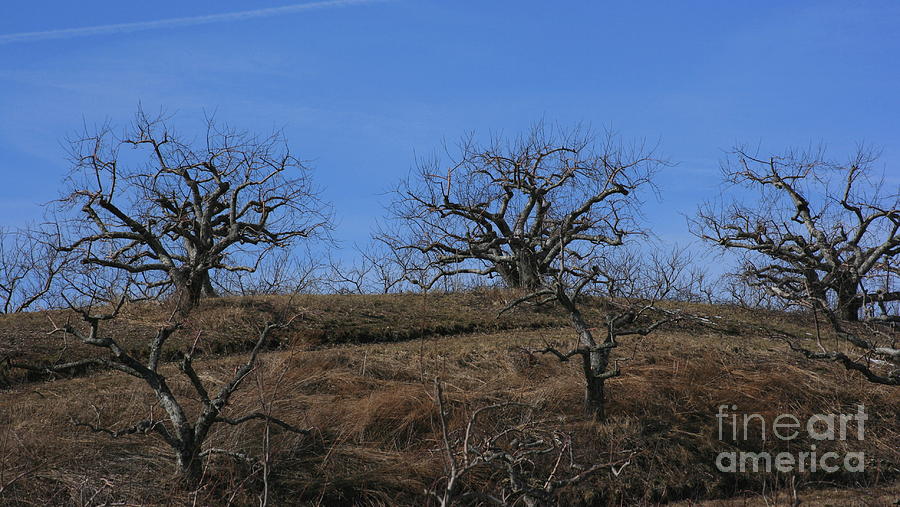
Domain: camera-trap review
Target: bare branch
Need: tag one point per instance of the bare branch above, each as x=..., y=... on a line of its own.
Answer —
x=266, y=417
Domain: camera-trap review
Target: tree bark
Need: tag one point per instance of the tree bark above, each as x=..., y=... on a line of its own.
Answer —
x=594, y=391
x=529, y=277
x=188, y=289
x=509, y=274
x=208, y=289
x=523, y=273
x=189, y=465
x=851, y=311
x=848, y=302
x=595, y=362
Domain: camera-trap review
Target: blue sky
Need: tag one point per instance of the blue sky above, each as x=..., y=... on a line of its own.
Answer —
x=361, y=87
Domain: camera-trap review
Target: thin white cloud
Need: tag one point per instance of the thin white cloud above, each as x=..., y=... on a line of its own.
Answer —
x=174, y=22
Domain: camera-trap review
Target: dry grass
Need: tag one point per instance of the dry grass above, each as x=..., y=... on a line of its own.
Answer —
x=229, y=325
x=376, y=440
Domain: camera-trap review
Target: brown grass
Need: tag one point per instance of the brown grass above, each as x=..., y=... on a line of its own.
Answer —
x=372, y=408
x=229, y=325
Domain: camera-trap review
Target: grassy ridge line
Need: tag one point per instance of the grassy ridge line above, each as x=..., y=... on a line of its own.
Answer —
x=229, y=325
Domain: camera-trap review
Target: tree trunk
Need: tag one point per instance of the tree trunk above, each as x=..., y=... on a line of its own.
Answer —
x=184, y=440
x=529, y=274
x=848, y=302
x=208, y=289
x=594, y=362
x=521, y=273
x=594, y=393
x=188, y=290
x=509, y=274
x=850, y=311
x=189, y=465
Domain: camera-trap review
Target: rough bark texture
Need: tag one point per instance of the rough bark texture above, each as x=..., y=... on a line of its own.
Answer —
x=849, y=302
x=594, y=389
x=524, y=273
x=189, y=465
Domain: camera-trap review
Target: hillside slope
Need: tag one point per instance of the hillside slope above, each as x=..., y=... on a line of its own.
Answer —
x=377, y=437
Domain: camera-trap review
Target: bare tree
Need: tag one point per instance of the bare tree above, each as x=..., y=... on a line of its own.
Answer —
x=29, y=265
x=818, y=229
x=534, y=462
x=376, y=269
x=513, y=208
x=544, y=213
x=152, y=212
x=283, y=272
x=184, y=433
x=150, y=203
x=739, y=290
x=630, y=290
x=869, y=348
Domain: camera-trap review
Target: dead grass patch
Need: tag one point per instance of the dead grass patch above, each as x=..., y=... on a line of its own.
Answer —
x=377, y=442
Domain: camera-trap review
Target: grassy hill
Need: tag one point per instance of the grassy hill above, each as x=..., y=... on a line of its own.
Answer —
x=360, y=371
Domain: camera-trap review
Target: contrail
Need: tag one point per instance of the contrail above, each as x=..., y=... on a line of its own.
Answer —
x=174, y=22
